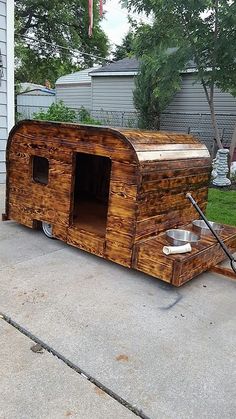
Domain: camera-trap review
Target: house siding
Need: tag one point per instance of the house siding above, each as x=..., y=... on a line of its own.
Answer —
x=75, y=95
x=191, y=98
x=116, y=94
x=3, y=90
x=113, y=93
x=112, y=103
x=7, y=81
x=28, y=104
x=189, y=112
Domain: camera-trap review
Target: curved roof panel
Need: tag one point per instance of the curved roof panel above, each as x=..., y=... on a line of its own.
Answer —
x=163, y=145
x=146, y=146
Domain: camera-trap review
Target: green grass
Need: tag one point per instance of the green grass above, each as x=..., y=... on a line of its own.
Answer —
x=221, y=206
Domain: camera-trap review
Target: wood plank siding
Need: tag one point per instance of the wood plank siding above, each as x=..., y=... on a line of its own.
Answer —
x=7, y=81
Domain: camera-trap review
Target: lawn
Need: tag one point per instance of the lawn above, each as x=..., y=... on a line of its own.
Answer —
x=221, y=206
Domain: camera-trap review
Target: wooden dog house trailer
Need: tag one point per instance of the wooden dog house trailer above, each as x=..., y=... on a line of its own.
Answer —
x=113, y=192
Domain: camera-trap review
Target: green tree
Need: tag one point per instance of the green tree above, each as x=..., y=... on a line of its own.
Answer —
x=159, y=76
x=49, y=32
x=126, y=49
x=36, y=69
x=204, y=30
x=157, y=81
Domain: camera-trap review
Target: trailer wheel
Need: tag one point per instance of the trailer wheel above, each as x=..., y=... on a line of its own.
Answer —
x=47, y=229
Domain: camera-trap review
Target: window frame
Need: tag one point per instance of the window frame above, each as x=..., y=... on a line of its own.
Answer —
x=34, y=180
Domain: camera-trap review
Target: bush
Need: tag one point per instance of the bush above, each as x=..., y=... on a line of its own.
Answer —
x=86, y=118
x=56, y=112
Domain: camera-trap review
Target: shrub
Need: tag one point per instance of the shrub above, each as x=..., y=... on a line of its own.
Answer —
x=85, y=117
x=56, y=112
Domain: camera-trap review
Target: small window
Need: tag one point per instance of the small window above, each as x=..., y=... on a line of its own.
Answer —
x=40, y=170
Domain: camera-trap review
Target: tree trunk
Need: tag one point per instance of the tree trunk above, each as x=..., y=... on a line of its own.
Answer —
x=215, y=126
x=232, y=146
x=210, y=97
x=157, y=122
x=210, y=100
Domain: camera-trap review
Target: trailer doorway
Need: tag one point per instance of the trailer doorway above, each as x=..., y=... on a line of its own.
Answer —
x=91, y=193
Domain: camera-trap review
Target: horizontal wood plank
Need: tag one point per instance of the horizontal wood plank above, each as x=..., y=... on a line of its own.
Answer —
x=86, y=241
x=171, y=155
x=150, y=175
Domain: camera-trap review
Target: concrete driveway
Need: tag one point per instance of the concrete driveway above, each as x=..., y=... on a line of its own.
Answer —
x=152, y=350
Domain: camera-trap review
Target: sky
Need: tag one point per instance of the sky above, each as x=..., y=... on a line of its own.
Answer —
x=115, y=23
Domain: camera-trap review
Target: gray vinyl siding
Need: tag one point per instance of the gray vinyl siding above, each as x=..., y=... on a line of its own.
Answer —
x=189, y=112
x=28, y=104
x=116, y=94
x=75, y=95
x=191, y=98
x=113, y=93
x=3, y=91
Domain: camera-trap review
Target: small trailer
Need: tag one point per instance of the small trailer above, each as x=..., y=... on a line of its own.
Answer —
x=113, y=193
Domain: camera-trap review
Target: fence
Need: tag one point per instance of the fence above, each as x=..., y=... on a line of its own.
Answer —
x=116, y=118
x=198, y=124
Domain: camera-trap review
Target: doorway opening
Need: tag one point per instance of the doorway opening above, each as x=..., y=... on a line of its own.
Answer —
x=91, y=192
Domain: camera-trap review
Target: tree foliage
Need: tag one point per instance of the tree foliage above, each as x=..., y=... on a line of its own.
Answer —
x=126, y=49
x=155, y=85
x=204, y=30
x=48, y=32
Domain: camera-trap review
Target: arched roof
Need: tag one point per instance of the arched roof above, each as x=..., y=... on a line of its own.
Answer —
x=163, y=145
x=147, y=146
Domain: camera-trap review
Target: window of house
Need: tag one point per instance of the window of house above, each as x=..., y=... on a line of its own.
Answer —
x=40, y=169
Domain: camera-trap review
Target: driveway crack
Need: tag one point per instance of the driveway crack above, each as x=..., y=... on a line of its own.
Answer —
x=138, y=412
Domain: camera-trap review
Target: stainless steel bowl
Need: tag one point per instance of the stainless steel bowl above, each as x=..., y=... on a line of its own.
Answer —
x=200, y=227
x=179, y=237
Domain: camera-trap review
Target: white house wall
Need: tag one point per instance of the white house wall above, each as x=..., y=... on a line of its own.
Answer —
x=75, y=95
x=7, y=82
x=113, y=93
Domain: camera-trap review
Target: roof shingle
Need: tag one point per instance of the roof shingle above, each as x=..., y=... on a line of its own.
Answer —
x=121, y=66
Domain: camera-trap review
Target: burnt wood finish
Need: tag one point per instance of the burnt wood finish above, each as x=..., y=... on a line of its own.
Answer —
x=150, y=175
x=180, y=268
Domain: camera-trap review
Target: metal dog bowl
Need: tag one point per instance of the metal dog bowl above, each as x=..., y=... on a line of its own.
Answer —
x=179, y=237
x=200, y=227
